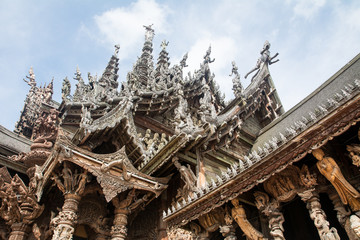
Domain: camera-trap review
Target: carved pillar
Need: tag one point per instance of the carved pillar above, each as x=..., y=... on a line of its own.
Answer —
x=100, y=236
x=67, y=218
x=238, y=213
x=73, y=186
x=311, y=198
x=271, y=210
x=19, y=231
x=119, y=229
x=343, y=215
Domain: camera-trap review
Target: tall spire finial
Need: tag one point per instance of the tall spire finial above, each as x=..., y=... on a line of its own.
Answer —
x=149, y=34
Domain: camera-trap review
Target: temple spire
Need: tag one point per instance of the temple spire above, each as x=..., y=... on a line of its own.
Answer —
x=144, y=65
x=163, y=63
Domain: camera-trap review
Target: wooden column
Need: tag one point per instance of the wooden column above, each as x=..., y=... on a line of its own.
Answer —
x=343, y=215
x=272, y=211
x=19, y=231
x=72, y=185
x=311, y=198
x=66, y=220
x=119, y=228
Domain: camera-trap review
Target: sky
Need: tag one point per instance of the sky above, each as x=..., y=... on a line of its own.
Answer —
x=314, y=39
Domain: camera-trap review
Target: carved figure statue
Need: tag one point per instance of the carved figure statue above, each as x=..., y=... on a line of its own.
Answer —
x=66, y=88
x=149, y=34
x=187, y=176
x=354, y=153
x=164, y=44
x=329, y=168
x=86, y=119
x=237, y=86
x=49, y=92
x=183, y=61
x=207, y=58
x=238, y=213
x=31, y=77
x=117, y=48
x=264, y=59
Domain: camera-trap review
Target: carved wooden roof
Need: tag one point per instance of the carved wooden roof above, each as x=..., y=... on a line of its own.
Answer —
x=288, y=145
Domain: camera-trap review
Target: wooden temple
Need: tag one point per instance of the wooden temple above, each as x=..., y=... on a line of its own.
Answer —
x=162, y=156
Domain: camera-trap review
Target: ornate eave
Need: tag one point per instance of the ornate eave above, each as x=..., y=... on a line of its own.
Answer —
x=258, y=167
x=113, y=178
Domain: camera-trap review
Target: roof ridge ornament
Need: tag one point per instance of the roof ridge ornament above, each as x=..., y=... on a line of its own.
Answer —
x=237, y=86
x=149, y=33
x=117, y=48
x=207, y=58
x=264, y=59
x=164, y=44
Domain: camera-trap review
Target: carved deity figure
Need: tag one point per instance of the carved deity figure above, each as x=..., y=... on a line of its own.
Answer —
x=31, y=77
x=86, y=119
x=188, y=177
x=237, y=87
x=265, y=58
x=149, y=34
x=354, y=153
x=66, y=88
x=329, y=168
x=183, y=61
x=207, y=58
x=238, y=213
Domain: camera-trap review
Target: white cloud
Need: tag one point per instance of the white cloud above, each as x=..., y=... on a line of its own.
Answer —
x=124, y=25
x=308, y=8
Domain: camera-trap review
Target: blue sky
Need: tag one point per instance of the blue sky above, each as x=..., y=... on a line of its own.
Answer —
x=314, y=38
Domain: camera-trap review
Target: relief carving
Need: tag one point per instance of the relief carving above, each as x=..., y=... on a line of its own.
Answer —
x=284, y=185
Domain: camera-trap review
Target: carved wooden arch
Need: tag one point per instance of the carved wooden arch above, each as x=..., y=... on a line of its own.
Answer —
x=284, y=185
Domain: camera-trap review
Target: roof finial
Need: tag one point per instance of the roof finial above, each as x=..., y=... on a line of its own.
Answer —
x=237, y=87
x=183, y=61
x=207, y=58
x=149, y=34
x=264, y=59
x=117, y=48
x=31, y=77
x=164, y=44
